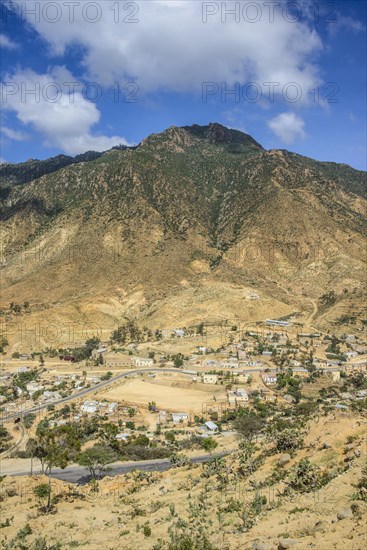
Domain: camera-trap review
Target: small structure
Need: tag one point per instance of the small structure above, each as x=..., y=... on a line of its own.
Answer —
x=302, y=373
x=162, y=417
x=22, y=369
x=98, y=352
x=269, y=378
x=178, y=418
x=241, y=395
x=33, y=387
x=243, y=377
x=116, y=360
x=89, y=407
x=210, y=378
x=122, y=437
x=232, y=364
x=277, y=323
x=111, y=408
x=335, y=375
x=143, y=362
x=211, y=426
x=51, y=396
x=93, y=379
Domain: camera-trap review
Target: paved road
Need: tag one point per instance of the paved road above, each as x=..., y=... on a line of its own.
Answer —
x=100, y=385
x=85, y=391
x=78, y=474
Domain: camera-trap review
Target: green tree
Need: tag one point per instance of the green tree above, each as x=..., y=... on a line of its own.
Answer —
x=200, y=329
x=96, y=458
x=209, y=444
x=3, y=343
x=249, y=426
x=108, y=432
x=43, y=493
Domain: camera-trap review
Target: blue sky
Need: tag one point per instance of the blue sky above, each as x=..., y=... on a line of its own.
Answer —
x=110, y=72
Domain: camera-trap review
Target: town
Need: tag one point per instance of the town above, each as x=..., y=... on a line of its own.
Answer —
x=153, y=382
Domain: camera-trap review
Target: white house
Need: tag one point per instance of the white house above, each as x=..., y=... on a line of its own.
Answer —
x=122, y=437
x=97, y=352
x=210, y=378
x=93, y=379
x=112, y=407
x=116, y=360
x=241, y=394
x=22, y=369
x=180, y=417
x=233, y=364
x=51, y=396
x=269, y=378
x=143, y=362
x=211, y=427
x=89, y=407
x=32, y=387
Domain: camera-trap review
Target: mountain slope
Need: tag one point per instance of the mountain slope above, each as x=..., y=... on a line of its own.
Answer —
x=176, y=230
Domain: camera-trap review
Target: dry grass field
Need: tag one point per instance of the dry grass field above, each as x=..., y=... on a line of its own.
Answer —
x=168, y=394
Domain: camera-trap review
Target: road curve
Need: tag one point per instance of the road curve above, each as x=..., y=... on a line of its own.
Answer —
x=17, y=444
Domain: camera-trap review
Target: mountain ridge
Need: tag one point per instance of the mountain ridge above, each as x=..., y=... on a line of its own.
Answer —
x=180, y=226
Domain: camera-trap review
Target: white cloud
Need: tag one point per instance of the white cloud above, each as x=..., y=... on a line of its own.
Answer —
x=170, y=48
x=287, y=127
x=16, y=135
x=6, y=42
x=63, y=116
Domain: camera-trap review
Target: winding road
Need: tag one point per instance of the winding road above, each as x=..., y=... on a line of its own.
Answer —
x=85, y=391
x=95, y=388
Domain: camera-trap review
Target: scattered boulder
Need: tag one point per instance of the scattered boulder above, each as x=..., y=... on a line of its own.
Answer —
x=345, y=513
x=284, y=544
x=349, y=457
x=357, y=452
x=284, y=459
x=326, y=446
x=349, y=447
x=289, y=398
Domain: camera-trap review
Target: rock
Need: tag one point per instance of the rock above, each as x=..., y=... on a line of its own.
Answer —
x=349, y=457
x=287, y=543
x=326, y=446
x=357, y=452
x=344, y=514
x=284, y=459
x=349, y=447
